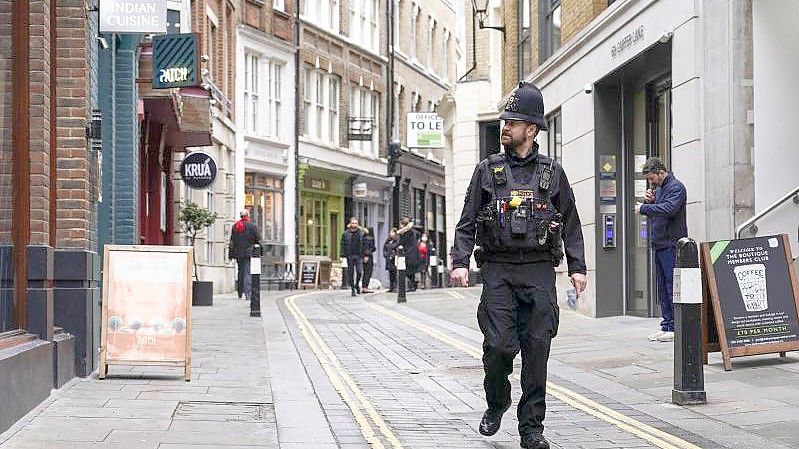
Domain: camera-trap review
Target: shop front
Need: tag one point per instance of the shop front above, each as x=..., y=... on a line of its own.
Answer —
x=264, y=195
x=370, y=204
x=321, y=214
x=614, y=97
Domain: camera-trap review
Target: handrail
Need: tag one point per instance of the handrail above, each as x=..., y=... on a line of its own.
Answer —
x=791, y=194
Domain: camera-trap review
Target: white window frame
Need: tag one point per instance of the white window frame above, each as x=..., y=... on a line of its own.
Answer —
x=274, y=99
x=334, y=105
x=319, y=105
x=431, y=26
x=308, y=88
x=414, y=16
x=279, y=5
x=445, y=55
x=251, y=93
x=210, y=231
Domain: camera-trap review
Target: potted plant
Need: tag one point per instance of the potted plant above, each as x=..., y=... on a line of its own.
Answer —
x=193, y=219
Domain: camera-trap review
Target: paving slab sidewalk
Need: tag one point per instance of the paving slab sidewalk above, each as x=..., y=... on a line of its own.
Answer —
x=229, y=403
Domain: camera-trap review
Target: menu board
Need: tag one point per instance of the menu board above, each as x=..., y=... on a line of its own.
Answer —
x=754, y=295
x=146, y=317
x=309, y=274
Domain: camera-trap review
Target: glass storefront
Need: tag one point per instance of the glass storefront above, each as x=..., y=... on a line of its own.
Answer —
x=264, y=198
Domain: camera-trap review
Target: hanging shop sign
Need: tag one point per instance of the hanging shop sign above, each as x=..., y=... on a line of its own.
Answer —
x=146, y=313
x=425, y=130
x=133, y=16
x=752, y=297
x=175, y=61
x=198, y=170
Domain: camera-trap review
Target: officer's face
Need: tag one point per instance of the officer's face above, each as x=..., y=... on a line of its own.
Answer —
x=353, y=224
x=517, y=132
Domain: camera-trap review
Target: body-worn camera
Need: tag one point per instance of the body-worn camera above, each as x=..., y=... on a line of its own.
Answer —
x=518, y=221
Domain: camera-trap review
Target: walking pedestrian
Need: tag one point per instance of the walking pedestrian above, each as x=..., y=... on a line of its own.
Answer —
x=368, y=258
x=409, y=240
x=665, y=207
x=389, y=251
x=352, y=249
x=243, y=236
x=520, y=207
x=424, y=259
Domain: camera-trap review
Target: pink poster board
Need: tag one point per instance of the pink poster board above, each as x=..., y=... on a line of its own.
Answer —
x=146, y=317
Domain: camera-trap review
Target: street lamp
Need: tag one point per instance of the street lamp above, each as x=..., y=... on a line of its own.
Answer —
x=480, y=8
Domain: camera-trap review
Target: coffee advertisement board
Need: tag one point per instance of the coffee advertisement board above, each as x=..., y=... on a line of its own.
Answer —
x=753, y=293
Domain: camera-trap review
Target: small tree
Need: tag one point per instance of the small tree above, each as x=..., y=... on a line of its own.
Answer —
x=194, y=219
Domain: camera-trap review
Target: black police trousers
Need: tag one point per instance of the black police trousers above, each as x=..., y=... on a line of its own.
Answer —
x=518, y=311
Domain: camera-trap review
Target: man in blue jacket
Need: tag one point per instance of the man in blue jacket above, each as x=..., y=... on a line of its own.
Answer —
x=665, y=207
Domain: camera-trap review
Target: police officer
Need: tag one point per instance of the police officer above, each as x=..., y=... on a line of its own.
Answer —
x=520, y=208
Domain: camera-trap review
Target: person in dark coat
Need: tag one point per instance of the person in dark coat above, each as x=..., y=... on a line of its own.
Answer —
x=369, y=249
x=243, y=236
x=665, y=207
x=389, y=251
x=352, y=248
x=409, y=239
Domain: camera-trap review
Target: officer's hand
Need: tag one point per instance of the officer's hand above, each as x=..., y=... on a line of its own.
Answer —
x=459, y=277
x=649, y=196
x=578, y=281
x=637, y=208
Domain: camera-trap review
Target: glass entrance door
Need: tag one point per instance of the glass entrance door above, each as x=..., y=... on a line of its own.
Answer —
x=648, y=134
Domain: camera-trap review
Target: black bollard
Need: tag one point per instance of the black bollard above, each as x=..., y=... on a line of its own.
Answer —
x=255, y=288
x=689, y=380
x=401, y=278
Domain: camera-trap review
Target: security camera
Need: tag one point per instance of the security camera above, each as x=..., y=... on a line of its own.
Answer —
x=103, y=43
x=588, y=88
x=205, y=58
x=666, y=36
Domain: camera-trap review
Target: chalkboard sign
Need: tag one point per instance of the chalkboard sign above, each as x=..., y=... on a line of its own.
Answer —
x=309, y=274
x=753, y=294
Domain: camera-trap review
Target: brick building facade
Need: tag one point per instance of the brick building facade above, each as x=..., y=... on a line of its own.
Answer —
x=49, y=191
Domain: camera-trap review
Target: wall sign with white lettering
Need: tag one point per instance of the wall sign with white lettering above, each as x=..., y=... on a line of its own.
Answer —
x=133, y=16
x=198, y=170
x=176, y=61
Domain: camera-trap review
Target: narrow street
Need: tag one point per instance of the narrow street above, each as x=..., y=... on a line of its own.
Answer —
x=324, y=370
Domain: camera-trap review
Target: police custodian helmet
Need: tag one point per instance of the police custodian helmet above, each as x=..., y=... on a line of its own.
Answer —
x=526, y=104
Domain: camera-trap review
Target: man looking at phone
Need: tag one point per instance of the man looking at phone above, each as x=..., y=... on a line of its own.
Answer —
x=665, y=206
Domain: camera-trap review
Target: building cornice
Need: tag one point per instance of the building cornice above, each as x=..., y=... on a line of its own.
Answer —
x=268, y=40
x=344, y=40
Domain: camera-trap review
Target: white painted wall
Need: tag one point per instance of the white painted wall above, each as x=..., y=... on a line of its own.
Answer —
x=776, y=112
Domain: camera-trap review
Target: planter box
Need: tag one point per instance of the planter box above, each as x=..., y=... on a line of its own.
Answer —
x=202, y=293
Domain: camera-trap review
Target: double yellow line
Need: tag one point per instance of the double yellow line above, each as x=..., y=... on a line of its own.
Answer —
x=346, y=387
x=646, y=432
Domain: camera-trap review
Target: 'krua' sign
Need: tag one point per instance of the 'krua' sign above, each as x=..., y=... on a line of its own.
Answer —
x=425, y=130
x=133, y=16
x=175, y=61
x=198, y=170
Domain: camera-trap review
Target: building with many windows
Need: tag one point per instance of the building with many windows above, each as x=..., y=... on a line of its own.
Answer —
x=342, y=139
x=425, y=58
x=265, y=127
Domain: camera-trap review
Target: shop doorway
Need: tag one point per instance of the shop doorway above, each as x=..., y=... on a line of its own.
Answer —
x=648, y=133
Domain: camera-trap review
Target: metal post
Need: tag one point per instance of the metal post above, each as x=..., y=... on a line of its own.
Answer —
x=435, y=278
x=689, y=381
x=255, y=288
x=401, y=277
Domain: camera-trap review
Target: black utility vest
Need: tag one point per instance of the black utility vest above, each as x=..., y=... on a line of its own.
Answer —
x=497, y=235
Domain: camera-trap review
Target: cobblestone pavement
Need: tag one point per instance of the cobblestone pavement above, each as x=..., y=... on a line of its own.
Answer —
x=424, y=383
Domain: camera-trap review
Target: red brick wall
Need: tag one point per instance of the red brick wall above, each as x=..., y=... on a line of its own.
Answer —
x=72, y=78
x=6, y=100
x=39, y=144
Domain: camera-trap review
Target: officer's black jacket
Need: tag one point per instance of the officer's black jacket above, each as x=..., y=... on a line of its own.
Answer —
x=478, y=195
